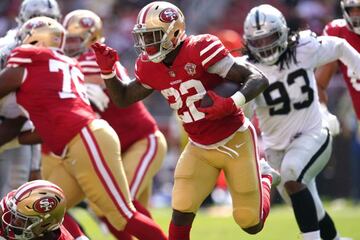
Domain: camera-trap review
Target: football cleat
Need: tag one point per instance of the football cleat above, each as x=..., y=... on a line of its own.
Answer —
x=266, y=169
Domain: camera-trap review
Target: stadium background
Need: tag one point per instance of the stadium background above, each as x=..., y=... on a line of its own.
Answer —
x=340, y=179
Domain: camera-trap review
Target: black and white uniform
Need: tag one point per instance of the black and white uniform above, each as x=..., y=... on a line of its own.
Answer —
x=295, y=138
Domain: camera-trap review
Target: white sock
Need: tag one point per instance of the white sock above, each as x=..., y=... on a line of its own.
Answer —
x=315, y=235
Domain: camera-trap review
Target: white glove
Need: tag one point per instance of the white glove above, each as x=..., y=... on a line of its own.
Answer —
x=97, y=96
x=330, y=121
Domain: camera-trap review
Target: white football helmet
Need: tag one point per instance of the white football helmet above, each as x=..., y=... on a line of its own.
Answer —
x=37, y=8
x=159, y=29
x=352, y=21
x=266, y=33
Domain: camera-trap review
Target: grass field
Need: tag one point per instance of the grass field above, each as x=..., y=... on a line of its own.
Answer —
x=217, y=223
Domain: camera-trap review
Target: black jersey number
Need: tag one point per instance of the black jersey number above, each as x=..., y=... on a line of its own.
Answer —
x=276, y=94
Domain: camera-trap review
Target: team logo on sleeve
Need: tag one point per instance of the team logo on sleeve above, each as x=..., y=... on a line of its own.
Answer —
x=87, y=22
x=190, y=68
x=45, y=204
x=168, y=15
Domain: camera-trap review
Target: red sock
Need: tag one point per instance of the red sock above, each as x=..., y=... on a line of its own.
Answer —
x=72, y=226
x=140, y=208
x=179, y=232
x=120, y=235
x=266, y=188
x=144, y=228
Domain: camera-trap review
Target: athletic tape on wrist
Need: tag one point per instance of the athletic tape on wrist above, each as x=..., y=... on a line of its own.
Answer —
x=239, y=99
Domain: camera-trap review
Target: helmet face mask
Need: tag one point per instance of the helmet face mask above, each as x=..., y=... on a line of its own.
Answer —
x=160, y=28
x=351, y=13
x=34, y=209
x=38, y=8
x=83, y=28
x=266, y=33
x=42, y=31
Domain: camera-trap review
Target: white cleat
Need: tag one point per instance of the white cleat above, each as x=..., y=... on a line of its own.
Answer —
x=266, y=169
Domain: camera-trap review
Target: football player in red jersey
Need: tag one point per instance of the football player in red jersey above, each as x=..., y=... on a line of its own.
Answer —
x=143, y=146
x=49, y=86
x=34, y=211
x=185, y=69
x=348, y=28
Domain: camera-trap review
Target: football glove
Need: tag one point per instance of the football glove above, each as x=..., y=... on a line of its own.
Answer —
x=330, y=121
x=97, y=96
x=220, y=108
x=106, y=57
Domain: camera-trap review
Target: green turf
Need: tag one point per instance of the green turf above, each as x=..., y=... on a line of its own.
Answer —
x=217, y=223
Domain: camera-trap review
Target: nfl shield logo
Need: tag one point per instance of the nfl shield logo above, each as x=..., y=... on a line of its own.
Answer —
x=190, y=68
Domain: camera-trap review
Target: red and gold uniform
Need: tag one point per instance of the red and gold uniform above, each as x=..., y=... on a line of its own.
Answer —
x=143, y=146
x=339, y=28
x=88, y=149
x=228, y=143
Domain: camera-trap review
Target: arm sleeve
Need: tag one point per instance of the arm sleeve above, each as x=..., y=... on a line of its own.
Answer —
x=334, y=48
x=222, y=67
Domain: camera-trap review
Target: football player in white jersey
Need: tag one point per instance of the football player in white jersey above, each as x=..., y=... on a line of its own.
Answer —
x=297, y=142
x=17, y=162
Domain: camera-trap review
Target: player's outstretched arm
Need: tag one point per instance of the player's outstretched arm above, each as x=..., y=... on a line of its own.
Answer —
x=323, y=76
x=122, y=94
x=252, y=80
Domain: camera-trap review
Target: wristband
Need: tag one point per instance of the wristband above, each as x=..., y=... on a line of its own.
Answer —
x=239, y=99
x=108, y=75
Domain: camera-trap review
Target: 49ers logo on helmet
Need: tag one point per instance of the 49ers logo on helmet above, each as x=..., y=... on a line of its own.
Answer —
x=87, y=22
x=45, y=204
x=168, y=15
x=35, y=24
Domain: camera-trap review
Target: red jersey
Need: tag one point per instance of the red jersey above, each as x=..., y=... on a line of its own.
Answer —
x=186, y=82
x=53, y=94
x=340, y=29
x=131, y=123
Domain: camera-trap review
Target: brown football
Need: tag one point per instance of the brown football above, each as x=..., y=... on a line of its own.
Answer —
x=225, y=89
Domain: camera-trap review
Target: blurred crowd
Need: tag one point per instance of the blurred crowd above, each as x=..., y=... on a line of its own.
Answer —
x=341, y=177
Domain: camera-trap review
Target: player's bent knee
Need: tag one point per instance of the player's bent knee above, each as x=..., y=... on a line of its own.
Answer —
x=246, y=218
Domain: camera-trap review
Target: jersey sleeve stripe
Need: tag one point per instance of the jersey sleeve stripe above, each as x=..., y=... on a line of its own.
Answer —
x=205, y=50
x=90, y=70
x=88, y=63
x=212, y=55
x=19, y=60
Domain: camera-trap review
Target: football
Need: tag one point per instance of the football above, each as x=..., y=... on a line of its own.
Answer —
x=225, y=89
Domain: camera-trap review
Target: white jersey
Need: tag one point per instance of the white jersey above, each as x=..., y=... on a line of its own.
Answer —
x=7, y=44
x=290, y=105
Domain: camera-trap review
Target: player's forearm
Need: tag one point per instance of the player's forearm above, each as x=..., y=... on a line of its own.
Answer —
x=125, y=94
x=254, y=86
x=117, y=90
x=10, y=128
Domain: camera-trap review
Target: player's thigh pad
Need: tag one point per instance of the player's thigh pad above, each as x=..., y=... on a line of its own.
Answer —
x=142, y=161
x=54, y=170
x=94, y=160
x=306, y=156
x=243, y=177
x=195, y=177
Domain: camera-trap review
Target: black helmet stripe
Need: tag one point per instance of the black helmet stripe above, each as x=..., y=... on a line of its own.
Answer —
x=257, y=19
